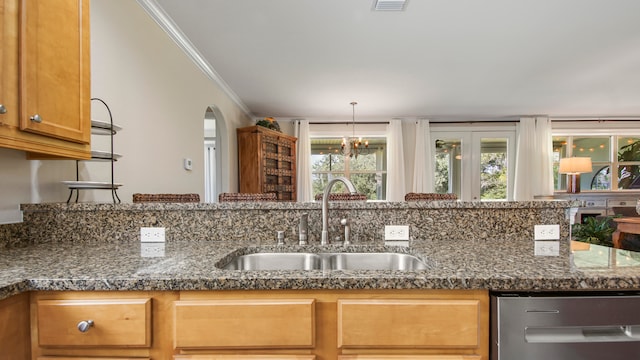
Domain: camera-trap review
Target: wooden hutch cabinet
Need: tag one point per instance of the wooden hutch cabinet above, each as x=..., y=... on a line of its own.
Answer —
x=267, y=162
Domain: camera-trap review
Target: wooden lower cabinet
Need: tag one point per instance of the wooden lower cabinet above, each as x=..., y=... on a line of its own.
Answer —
x=244, y=357
x=262, y=325
x=245, y=323
x=409, y=357
x=119, y=325
x=343, y=324
x=14, y=328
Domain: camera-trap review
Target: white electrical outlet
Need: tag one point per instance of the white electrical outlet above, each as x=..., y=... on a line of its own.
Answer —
x=152, y=234
x=547, y=248
x=152, y=249
x=396, y=232
x=546, y=232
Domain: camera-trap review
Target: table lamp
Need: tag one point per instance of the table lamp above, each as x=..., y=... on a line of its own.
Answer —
x=573, y=167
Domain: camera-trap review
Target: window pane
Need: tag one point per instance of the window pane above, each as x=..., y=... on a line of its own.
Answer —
x=598, y=179
x=596, y=147
x=559, y=148
x=559, y=152
x=629, y=176
x=325, y=155
x=368, y=184
x=321, y=180
x=366, y=171
x=628, y=149
x=448, y=163
x=493, y=164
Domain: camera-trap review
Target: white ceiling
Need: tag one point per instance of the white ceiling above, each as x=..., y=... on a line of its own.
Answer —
x=439, y=59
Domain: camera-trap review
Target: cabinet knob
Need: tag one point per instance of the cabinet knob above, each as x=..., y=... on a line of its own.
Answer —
x=3, y=109
x=85, y=325
x=36, y=118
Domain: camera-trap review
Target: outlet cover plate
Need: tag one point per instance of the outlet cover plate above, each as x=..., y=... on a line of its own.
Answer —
x=547, y=248
x=396, y=232
x=546, y=232
x=152, y=234
x=152, y=249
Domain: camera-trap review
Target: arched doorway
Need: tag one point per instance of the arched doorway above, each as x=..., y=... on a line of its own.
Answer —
x=215, y=143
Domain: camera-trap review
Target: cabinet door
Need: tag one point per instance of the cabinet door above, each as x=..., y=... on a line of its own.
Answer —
x=55, y=69
x=14, y=328
x=239, y=323
x=409, y=357
x=8, y=64
x=408, y=323
x=88, y=358
x=244, y=357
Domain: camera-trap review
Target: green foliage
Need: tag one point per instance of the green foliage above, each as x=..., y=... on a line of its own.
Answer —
x=628, y=173
x=442, y=173
x=493, y=180
x=594, y=231
x=365, y=183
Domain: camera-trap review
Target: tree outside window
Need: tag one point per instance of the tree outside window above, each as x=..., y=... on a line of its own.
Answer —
x=367, y=172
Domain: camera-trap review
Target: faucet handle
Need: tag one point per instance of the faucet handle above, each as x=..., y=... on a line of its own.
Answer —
x=303, y=229
x=347, y=231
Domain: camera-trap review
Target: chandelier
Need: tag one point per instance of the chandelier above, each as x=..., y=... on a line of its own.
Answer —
x=353, y=146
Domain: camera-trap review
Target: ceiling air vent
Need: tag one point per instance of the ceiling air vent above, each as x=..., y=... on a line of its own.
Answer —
x=390, y=5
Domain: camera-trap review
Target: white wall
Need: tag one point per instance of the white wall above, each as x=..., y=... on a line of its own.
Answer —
x=157, y=95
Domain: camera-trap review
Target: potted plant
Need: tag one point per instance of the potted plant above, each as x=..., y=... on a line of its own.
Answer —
x=595, y=230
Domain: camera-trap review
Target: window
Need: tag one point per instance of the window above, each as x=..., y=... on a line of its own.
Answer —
x=474, y=164
x=615, y=159
x=367, y=172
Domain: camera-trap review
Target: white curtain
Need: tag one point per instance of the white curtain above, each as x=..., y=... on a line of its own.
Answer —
x=395, y=162
x=423, y=159
x=304, y=186
x=534, y=159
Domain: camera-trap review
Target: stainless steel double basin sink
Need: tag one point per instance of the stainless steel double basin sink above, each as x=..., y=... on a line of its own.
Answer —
x=275, y=261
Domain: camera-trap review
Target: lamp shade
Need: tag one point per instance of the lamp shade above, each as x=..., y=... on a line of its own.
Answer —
x=575, y=165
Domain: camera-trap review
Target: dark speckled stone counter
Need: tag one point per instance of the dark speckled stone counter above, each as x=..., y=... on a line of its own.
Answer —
x=456, y=264
x=495, y=253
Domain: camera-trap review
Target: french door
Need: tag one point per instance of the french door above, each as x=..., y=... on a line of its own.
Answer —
x=475, y=165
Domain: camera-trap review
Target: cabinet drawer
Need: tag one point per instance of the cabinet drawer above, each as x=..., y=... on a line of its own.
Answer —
x=408, y=323
x=88, y=358
x=125, y=322
x=409, y=357
x=629, y=203
x=244, y=357
x=245, y=323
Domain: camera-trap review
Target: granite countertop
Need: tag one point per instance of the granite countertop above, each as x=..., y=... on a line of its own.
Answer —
x=191, y=265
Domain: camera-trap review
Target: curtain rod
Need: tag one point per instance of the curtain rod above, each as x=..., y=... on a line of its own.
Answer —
x=349, y=123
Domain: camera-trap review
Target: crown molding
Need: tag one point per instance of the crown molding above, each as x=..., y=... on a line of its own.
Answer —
x=157, y=13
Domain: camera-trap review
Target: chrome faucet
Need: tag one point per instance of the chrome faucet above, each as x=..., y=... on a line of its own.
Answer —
x=303, y=229
x=324, y=238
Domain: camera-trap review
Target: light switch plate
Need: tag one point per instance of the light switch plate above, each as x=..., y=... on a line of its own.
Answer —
x=546, y=232
x=547, y=248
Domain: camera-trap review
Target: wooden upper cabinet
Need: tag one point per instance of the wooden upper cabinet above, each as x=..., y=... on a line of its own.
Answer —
x=34, y=80
x=54, y=69
x=8, y=64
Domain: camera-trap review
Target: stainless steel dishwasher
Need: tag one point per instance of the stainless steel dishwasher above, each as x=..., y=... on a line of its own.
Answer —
x=565, y=326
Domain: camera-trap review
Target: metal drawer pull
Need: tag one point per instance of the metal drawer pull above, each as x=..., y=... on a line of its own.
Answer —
x=36, y=118
x=3, y=109
x=85, y=325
